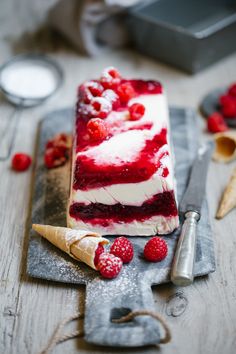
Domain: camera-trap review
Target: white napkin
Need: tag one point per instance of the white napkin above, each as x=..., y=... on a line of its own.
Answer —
x=92, y=25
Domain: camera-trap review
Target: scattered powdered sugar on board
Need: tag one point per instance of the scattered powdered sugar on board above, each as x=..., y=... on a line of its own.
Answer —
x=125, y=283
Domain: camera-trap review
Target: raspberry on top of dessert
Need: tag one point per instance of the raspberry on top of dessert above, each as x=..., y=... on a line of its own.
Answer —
x=122, y=175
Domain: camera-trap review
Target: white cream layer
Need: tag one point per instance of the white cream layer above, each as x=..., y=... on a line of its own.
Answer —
x=155, y=225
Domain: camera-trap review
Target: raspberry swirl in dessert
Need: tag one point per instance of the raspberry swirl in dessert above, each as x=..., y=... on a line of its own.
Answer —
x=122, y=177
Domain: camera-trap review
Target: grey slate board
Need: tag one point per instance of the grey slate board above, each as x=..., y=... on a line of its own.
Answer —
x=106, y=299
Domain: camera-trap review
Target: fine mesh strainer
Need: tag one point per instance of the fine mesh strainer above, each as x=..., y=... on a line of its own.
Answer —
x=26, y=81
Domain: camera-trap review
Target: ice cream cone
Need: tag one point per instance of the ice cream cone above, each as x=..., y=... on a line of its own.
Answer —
x=225, y=149
x=79, y=244
x=228, y=201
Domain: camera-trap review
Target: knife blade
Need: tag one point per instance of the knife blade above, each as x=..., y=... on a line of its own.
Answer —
x=190, y=209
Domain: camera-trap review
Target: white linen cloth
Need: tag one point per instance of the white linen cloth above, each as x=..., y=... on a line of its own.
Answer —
x=92, y=25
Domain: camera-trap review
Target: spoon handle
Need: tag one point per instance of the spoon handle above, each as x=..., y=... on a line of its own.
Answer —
x=8, y=135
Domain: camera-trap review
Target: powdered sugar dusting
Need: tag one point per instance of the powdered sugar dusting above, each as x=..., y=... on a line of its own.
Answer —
x=110, y=95
x=104, y=104
x=107, y=77
x=125, y=283
x=93, y=84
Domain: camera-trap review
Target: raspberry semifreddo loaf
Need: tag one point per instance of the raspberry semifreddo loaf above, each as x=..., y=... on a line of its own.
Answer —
x=122, y=175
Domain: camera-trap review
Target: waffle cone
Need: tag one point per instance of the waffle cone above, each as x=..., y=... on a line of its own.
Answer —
x=225, y=147
x=79, y=244
x=228, y=201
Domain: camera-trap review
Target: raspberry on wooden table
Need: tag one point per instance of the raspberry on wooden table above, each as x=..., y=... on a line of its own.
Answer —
x=109, y=265
x=123, y=248
x=216, y=123
x=21, y=162
x=156, y=249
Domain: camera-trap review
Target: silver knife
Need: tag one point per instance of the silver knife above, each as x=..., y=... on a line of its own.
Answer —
x=190, y=209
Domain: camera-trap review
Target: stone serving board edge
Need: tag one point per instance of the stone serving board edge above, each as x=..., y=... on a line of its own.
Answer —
x=106, y=299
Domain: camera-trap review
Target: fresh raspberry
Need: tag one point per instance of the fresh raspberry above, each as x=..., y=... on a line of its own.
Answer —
x=110, y=78
x=59, y=140
x=155, y=249
x=153, y=86
x=114, y=73
x=112, y=97
x=21, y=162
x=95, y=88
x=228, y=109
x=84, y=94
x=97, y=129
x=99, y=251
x=216, y=123
x=125, y=91
x=224, y=100
x=101, y=107
x=109, y=265
x=49, y=158
x=228, y=105
x=57, y=150
x=232, y=90
x=136, y=111
x=55, y=157
x=122, y=248
x=146, y=86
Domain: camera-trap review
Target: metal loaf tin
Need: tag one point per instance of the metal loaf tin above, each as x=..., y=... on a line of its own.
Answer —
x=188, y=34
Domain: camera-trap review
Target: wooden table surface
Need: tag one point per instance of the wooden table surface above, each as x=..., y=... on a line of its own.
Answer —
x=202, y=317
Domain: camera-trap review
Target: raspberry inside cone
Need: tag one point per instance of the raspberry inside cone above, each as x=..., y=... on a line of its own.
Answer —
x=99, y=251
x=109, y=265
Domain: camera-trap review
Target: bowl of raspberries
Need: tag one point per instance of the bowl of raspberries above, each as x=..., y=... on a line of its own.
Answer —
x=219, y=107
